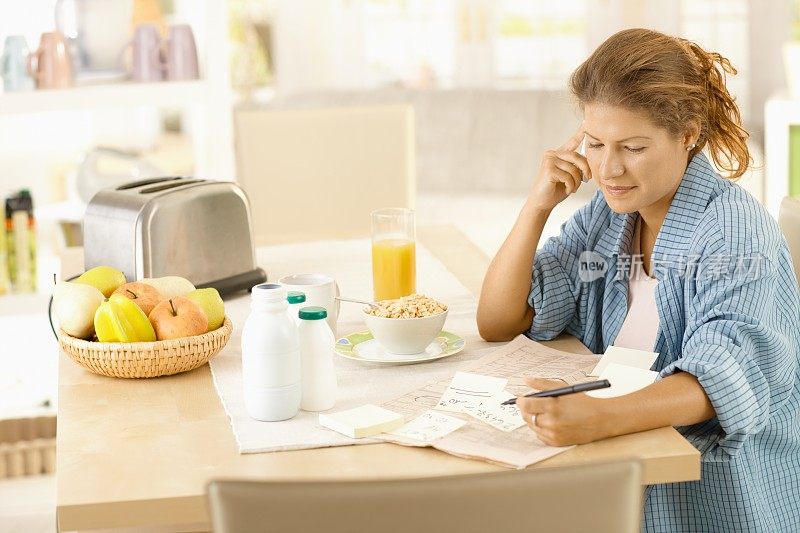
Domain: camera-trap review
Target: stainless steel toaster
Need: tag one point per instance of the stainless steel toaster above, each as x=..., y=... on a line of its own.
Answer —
x=173, y=226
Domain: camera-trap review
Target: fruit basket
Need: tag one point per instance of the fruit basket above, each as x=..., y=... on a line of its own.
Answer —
x=146, y=359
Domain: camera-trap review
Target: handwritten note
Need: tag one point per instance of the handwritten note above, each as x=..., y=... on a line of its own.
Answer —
x=624, y=380
x=429, y=426
x=625, y=356
x=469, y=390
x=492, y=412
x=517, y=449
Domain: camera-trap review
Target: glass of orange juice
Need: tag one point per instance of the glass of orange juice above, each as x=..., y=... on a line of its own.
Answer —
x=394, y=263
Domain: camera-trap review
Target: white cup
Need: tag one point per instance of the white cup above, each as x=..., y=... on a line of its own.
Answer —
x=320, y=290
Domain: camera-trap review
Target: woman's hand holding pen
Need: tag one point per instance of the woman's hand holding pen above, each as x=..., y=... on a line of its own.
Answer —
x=561, y=173
x=565, y=420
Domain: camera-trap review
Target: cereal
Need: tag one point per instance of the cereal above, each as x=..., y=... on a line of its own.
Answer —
x=412, y=306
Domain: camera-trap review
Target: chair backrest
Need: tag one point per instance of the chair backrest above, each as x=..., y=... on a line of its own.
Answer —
x=318, y=173
x=598, y=498
x=789, y=221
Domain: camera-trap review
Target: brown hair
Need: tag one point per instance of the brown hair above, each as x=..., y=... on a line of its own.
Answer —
x=674, y=81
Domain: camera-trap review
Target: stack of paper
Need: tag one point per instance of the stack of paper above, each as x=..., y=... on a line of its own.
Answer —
x=481, y=397
x=626, y=369
x=364, y=421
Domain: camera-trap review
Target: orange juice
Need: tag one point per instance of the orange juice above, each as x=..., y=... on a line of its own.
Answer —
x=394, y=268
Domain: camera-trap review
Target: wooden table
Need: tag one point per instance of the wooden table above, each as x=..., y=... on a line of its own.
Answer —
x=138, y=453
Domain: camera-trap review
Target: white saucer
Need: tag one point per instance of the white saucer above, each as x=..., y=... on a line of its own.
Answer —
x=363, y=347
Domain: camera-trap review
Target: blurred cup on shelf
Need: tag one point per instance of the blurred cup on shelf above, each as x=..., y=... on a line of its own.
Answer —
x=146, y=62
x=181, y=53
x=105, y=28
x=394, y=266
x=15, y=64
x=50, y=64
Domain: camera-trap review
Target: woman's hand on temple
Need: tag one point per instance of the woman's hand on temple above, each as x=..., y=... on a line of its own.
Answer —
x=565, y=420
x=561, y=173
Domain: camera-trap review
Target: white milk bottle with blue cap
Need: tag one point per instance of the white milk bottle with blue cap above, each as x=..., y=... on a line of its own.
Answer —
x=270, y=356
x=316, y=355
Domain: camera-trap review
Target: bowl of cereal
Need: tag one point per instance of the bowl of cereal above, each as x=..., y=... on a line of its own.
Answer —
x=406, y=325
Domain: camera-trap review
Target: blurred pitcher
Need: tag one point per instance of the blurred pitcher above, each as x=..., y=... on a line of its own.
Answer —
x=146, y=54
x=50, y=64
x=394, y=264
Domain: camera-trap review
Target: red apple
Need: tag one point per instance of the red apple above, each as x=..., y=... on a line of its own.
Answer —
x=178, y=317
x=143, y=295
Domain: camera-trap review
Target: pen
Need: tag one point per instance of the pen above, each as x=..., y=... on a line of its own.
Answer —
x=579, y=387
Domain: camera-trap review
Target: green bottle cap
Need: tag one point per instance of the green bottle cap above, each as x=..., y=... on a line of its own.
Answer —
x=313, y=313
x=295, y=297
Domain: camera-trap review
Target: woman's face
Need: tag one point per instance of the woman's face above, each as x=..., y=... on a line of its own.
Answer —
x=636, y=164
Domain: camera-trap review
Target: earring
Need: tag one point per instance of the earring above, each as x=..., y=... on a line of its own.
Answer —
x=689, y=148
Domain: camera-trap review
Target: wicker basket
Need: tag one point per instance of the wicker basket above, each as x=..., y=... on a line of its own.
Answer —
x=146, y=359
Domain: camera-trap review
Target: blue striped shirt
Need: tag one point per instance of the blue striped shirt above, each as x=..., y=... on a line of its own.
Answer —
x=729, y=313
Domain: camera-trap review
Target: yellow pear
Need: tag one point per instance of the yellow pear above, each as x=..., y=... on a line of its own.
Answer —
x=170, y=286
x=105, y=278
x=74, y=305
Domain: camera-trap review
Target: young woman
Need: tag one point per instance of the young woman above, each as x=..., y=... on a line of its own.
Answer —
x=686, y=264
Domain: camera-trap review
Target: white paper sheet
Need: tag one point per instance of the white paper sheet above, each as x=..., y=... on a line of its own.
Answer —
x=469, y=390
x=624, y=380
x=625, y=356
x=492, y=412
x=429, y=426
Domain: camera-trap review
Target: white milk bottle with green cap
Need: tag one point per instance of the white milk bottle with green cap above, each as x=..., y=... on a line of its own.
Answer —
x=316, y=355
x=270, y=356
x=296, y=300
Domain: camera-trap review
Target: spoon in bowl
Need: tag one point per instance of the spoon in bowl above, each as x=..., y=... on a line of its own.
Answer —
x=353, y=300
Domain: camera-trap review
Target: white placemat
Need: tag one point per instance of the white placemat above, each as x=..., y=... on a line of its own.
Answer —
x=349, y=262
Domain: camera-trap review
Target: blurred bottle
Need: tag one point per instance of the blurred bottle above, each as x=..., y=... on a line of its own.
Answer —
x=21, y=241
x=5, y=283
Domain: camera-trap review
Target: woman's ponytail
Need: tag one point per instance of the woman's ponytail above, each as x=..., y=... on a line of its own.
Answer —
x=726, y=138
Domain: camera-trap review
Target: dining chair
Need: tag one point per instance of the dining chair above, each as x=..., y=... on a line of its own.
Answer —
x=789, y=221
x=314, y=174
x=598, y=498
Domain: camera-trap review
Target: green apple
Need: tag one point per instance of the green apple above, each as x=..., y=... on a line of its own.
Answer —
x=170, y=286
x=104, y=278
x=74, y=305
x=212, y=305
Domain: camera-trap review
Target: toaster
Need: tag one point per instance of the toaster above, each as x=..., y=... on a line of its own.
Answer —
x=174, y=226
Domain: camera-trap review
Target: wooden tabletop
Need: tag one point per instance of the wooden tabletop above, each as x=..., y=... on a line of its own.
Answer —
x=139, y=453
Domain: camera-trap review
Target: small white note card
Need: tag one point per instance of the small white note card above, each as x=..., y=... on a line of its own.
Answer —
x=363, y=421
x=429, y=426
x=492, y=412
x=469, y=389
x=625, y=356
x=624, y=380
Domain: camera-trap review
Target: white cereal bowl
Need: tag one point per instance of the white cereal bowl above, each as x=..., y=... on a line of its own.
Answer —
x=405, y=336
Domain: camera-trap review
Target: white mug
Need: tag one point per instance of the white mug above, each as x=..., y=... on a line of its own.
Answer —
x=320, y=290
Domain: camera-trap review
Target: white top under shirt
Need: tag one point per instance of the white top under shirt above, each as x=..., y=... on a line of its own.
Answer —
x=640, y=327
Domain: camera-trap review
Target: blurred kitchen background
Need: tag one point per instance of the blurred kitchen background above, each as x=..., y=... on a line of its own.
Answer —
x=486, y=80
